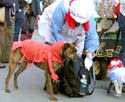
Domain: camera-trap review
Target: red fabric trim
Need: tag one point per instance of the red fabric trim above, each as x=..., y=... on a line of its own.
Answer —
x=86, y=26
x=118, y=63
x=116, y=9
x=71, y=2
x=70, y=21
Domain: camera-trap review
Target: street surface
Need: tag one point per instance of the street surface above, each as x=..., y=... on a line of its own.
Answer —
x=31, y=83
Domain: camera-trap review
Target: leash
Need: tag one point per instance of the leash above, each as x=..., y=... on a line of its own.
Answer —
x=117, y=37
x=92, y=72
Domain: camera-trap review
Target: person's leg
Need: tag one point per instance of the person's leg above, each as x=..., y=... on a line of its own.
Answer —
x=2, y=37
x=121, y=21
x=8, y=40
x=19, y=18
x=32, y=25
x=122, y=52
x=2, y=66
x=24, y=28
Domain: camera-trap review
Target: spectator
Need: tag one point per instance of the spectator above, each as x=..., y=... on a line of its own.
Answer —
x=6, y=30
x=46, y=3
x=19, y=18
x=32, y=13
x=121, y=22
x=70, y=20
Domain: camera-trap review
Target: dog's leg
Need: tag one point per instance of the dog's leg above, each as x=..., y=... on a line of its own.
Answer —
x=50, y=88
x=21, y=68
x=45, y=85
x=12, y=67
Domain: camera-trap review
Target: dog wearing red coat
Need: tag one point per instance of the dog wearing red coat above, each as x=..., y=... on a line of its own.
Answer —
x=46, y=57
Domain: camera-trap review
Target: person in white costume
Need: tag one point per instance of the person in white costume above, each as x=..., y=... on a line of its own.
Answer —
x=70, y=20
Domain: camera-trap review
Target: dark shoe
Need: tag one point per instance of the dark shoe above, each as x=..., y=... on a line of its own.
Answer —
x=2, y=66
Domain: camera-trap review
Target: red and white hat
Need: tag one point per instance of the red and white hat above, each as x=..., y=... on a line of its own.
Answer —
x=81, y=10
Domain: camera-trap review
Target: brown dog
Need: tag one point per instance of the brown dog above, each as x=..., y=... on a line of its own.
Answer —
x=49, y=56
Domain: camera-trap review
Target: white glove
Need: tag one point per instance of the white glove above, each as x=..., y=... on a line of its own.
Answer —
x=88, y=62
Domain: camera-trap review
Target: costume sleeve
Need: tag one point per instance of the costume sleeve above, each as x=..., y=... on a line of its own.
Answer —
x=91, y=38
x=58, y=22
x=53, y=74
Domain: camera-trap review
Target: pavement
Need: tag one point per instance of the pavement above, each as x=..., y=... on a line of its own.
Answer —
x=31, y=83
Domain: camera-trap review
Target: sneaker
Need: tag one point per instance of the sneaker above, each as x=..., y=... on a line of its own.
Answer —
x=2, y=66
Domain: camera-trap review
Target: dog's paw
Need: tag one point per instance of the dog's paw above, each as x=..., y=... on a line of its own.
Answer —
x=53, y=98
x=7, y=90
x=44, y=88
x=16, y=87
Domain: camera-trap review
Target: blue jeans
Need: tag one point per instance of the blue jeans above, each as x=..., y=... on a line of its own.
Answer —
x=19, y=18
x=121, y=22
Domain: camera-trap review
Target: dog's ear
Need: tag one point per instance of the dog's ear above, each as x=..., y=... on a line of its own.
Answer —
x=66, y=45
x=75, y=42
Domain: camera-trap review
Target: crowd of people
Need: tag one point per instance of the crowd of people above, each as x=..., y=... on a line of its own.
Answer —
x=20, y=17
x=67, y=20
x=26, y=13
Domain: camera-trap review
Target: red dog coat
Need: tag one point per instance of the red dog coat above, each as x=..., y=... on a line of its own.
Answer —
x=38, y=52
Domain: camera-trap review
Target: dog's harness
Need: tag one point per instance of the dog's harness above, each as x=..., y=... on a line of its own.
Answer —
x=38, y=52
